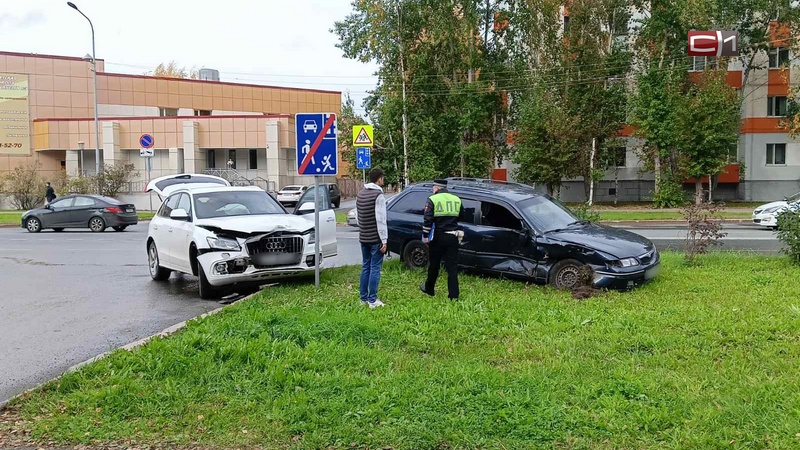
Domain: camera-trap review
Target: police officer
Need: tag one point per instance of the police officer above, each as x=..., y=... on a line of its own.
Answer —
x=442, y=211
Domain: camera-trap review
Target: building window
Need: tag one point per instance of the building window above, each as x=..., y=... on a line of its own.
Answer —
x=211, y=159
x=253, y=159
x=566, y=24
x=231, y=159
x=202, y=112
x=778, y=57
x=617, y=157
x=776, y=154
x=701, y=63
x=776, y=106
x=167, y=112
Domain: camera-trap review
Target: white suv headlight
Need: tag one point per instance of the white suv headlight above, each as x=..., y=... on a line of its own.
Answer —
x=220, y=243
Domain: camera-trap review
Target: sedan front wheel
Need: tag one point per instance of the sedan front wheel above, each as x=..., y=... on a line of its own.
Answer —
x=33, y=225
x=569, y=274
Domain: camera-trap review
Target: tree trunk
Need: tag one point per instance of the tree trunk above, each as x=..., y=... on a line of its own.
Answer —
x=591, y=171
x=657, y=170
x=698, y=190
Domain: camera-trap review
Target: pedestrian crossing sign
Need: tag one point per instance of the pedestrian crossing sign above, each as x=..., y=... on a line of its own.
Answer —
x=362, y=136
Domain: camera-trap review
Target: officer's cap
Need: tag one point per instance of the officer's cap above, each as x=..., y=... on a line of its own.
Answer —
x=440, y=183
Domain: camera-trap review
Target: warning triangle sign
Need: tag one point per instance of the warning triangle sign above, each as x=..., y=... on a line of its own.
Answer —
x=363, y=138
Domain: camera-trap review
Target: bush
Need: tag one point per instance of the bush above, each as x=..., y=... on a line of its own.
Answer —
x=25, y=186
x=789, y=233
x=113, y=179
x=585, y=212
x=670, y=194
x=704, y=228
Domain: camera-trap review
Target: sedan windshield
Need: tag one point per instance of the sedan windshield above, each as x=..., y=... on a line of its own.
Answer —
x=547, y=214
x=234, y=203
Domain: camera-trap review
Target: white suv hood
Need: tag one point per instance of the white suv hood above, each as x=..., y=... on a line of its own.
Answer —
x=266, y=223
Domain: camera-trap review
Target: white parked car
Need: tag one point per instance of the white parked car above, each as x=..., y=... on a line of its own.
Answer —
x=290, y=195
x=767, y=215
x=233, y=235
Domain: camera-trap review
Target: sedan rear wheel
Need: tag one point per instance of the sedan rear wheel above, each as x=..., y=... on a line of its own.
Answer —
x=33, y=225
x=157, y=272
x=567, y=275
x=97, y=224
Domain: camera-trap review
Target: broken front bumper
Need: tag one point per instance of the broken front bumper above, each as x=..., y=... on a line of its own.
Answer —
x=224, y=268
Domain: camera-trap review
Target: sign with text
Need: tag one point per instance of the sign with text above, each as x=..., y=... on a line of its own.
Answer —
x=713, y=43
x=15, y=121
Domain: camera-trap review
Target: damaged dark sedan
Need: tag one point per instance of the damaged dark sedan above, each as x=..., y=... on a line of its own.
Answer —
x=512, y=230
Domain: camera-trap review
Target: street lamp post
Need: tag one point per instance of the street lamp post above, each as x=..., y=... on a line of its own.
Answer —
x=94, y=72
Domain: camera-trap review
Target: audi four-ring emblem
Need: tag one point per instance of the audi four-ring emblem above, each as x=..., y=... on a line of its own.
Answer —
x=275, y=245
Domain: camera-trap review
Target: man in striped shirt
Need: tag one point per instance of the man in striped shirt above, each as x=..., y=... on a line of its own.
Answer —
x=373, y=235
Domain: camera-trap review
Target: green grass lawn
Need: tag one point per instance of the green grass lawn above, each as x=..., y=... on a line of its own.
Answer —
x=341, y=217
x=14, y=217
x=661, y=215
x=703, y=357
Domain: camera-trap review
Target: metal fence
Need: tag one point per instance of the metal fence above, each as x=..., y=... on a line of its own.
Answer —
x=349, y=187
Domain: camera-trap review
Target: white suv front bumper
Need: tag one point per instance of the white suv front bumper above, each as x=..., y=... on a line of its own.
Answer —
x=223, y=268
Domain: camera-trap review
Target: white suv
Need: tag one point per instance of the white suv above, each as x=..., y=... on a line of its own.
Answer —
x=227, y=235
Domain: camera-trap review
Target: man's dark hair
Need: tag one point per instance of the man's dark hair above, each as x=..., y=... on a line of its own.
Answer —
x=48, y=183
x=375, y=175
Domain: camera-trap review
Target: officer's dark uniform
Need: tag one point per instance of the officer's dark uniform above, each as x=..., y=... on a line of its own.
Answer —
x=442, y=211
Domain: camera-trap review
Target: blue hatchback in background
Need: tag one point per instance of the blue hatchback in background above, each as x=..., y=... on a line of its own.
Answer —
x=512, y=230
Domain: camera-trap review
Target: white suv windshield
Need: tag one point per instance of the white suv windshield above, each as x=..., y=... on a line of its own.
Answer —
x=241, y=203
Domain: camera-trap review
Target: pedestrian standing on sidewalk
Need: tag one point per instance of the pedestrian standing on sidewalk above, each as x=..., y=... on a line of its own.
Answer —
x=442, y=211
x=373, y=235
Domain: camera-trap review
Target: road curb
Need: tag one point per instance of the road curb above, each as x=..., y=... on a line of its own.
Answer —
x=163, y=333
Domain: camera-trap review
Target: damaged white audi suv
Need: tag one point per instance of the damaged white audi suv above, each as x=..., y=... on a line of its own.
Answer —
x=228, y=235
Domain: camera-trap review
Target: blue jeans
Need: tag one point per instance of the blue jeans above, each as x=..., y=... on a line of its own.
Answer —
x=370, y=271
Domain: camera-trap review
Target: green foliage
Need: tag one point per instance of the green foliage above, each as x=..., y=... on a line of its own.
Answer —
x=670, y=193
x=478, y=160
x=113, y=179
x=510, y=366
x=789, y=233
x=25, y=186
x=347, y=120
x=585, y=212
x=709, y=125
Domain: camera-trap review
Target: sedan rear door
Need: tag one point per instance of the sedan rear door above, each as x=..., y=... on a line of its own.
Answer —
x=82, y=210
x=327, y=218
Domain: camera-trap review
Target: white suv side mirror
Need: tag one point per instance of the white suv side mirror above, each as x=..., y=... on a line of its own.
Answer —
x=305, y=208
x=179, y=214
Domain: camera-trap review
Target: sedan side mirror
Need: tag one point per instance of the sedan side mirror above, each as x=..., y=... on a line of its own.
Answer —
x=179, y=214
x=305, y=208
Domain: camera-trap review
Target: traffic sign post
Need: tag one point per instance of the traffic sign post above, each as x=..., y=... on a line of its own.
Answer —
x=363, y=136
x=363, y=161
x=317, y=150
x=147, y=142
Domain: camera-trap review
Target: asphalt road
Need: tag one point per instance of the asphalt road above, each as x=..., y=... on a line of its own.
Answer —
x=70, y=296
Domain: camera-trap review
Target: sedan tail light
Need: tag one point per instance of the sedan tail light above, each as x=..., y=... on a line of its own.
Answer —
x=114, y=210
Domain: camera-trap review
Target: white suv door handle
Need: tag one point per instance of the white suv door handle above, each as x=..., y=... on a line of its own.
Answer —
x=170, y=230
x=155, y=227
x=330, y=219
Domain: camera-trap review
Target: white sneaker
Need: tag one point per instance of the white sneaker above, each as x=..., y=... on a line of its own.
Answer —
x=376, y=304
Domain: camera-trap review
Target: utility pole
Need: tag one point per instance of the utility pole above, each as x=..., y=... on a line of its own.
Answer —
x=403, y=78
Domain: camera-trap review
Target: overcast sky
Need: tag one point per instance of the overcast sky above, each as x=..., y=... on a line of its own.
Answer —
x=276, y=42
